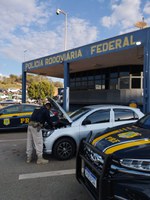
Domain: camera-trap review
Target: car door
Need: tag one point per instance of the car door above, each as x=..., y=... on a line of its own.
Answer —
x=25, y=114
x=9, y=116
x=124, y=116
x=95, y=122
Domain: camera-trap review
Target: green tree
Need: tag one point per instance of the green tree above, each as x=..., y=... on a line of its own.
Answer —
x=32, y=90
x=40, y=90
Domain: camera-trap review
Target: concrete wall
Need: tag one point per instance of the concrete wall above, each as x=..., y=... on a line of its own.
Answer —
x=106, y=96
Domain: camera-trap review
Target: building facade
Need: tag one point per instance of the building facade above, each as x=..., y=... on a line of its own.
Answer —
x=116, y=70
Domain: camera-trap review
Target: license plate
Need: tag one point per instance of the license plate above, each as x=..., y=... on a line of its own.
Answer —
x=91, y=177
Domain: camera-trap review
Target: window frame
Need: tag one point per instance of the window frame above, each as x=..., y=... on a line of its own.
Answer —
x=135, y=116
x=102, y=110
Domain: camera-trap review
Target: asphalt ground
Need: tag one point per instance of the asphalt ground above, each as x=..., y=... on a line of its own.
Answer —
x=21, y=181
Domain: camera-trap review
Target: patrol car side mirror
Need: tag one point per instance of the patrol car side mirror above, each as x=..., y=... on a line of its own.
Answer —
x=86, y=122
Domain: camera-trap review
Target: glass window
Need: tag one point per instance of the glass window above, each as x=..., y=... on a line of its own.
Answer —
x=90, y=83
x=101, y=116
x=84, y=83
x=124, y=114
x=79, y=113
x=84, y=78
x=124, y=74
x=98, y=87
x=72, y=84
x=114, y=75
x=97, y=82
x=28, y=108
x=103, y=76
x=72, y=79
x=97, y=77
x=78, y=78
x=12, y=109
x=124, y=83
x=144, y=122
x=90, y=77
x=103, y=84
x=113, y=83
x=78, y=84
x=136, y=83
x=100, y=82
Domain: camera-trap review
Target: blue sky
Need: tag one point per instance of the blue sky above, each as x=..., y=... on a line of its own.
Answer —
x=31, y=29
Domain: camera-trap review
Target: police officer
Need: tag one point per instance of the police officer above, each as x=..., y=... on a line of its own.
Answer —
x=34, y=133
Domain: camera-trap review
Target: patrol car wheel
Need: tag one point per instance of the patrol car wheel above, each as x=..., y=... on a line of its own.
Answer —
x=64, y=149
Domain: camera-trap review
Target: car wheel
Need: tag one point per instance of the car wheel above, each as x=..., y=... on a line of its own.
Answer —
x=64, y=149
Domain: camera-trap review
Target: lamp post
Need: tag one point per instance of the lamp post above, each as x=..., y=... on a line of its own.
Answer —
x=25, y=54
x=59, y=11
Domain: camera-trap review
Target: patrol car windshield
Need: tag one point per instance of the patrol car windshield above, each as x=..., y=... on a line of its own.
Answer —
x=144, y=122
x=79, y=113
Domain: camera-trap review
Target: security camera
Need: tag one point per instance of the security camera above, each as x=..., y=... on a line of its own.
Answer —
x=58, y=11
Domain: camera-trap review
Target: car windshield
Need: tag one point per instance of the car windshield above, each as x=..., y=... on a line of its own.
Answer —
x=79, y=113
x=144, y=122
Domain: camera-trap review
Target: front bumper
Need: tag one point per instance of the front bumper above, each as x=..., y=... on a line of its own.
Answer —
x=108, y=181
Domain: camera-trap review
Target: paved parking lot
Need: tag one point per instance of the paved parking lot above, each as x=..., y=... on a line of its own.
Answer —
x=22, y=181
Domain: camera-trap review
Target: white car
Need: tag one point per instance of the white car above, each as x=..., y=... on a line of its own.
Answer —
x=63, y=142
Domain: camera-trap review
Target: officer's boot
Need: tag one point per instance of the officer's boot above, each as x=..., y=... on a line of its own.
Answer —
x=41, y=160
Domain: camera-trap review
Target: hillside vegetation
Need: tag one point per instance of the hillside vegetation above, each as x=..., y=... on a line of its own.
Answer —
x=38, y=87
x=14, y=81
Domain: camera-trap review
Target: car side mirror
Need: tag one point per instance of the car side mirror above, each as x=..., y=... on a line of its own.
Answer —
x=86, y=122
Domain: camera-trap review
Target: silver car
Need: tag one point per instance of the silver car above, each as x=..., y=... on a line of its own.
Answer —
x=63, y=141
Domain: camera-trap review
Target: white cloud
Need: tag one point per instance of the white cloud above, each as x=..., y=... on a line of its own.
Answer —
x=16, y=13
x=124, y=14
x=128, y=30
x=37, y=44
x=147, y=8
x=42, y=43
x=81, y=32
x=18, y=22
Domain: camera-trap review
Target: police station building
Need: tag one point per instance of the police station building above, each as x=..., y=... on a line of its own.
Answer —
x=112, y=71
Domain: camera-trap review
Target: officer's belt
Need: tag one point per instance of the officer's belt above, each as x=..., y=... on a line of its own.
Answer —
x=35, y=124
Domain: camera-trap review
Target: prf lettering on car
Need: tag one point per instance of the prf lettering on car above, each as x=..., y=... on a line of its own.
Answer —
x=24, y=120
x=112, y=139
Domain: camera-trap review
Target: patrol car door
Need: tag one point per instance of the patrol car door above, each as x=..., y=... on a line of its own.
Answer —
x=96, y=122
x=25, y=114
x=9, y=116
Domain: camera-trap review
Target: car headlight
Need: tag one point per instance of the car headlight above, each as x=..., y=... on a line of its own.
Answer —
x=138, y=164
x=47, y=133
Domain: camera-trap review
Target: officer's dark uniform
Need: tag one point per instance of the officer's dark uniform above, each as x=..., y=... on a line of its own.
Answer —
x=41, y=116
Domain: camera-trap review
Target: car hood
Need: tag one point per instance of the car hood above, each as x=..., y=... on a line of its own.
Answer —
x=59, y=108
x=124, y=139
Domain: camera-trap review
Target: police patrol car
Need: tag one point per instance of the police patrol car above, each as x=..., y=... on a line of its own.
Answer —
x=16, y=116
x=115, y=164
